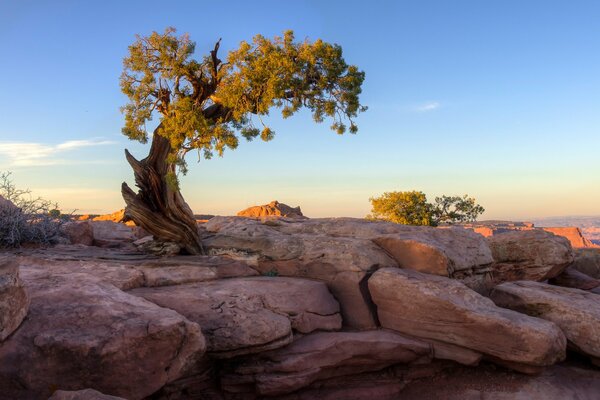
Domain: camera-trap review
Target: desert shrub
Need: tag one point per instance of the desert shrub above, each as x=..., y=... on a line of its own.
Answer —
x=25, y=218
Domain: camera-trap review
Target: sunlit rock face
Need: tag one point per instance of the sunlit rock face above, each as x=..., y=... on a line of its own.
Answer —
x=529, y=255
x=572, y=234
x=344, y=252
x=273, y=209
x=575, y=311
x=442, y=309
x=83, y=332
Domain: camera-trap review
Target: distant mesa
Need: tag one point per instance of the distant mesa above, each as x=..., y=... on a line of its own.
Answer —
x=274, y=208
x=491, y=228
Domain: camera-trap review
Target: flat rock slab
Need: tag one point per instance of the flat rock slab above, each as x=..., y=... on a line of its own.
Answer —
x=247, y=315
x=433, y=307
x=85, y=394
x=322, y=355
x=533, y=255
x=559, y=382
x=130, y=270
x=82, y=332
x=14, y=301
x=575, y=311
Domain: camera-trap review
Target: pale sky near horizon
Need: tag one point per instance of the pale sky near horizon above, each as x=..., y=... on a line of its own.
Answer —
x=497, y=99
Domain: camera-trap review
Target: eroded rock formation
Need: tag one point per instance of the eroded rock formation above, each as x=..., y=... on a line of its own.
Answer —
x=346, y=308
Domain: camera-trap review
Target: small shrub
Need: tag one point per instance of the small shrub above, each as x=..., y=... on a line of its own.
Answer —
x=271, y=272
x=24, y=218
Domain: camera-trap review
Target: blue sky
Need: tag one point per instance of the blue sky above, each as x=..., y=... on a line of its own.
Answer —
x=500, y=100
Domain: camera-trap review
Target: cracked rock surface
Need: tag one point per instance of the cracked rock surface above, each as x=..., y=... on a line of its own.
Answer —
x=248, y=315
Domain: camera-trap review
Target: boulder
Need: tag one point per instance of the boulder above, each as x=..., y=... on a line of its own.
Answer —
x=439, y=251
x=248, y=315
x=78, y=232
x=344, y=263
x=344, y=252
x=14, y=301
x=85, y=333
x=113, y=234
x=534, y=255
x=588, y=262
x=434, y=307
x=450, y=251
x=575, y=311
x=85, y=394
x=319, y=356
x=572, y=278
x=274, y=208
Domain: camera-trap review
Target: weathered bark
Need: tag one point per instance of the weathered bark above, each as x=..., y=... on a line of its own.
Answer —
x=157, y=207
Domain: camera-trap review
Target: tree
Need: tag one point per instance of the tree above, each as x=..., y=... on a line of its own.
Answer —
x=206, y=104
x=408, y=208
x=456, y=209
x=412, y=208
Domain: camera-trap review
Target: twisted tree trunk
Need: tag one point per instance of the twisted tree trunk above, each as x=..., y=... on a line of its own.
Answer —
x=158, y=207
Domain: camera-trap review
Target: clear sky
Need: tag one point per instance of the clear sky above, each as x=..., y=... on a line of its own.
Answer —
x=497, y=99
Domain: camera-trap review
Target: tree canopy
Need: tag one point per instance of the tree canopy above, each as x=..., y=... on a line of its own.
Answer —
x=412, y=208
x=207, y=104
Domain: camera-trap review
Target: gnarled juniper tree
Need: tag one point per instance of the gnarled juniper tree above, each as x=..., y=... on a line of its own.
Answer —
x=207, y=104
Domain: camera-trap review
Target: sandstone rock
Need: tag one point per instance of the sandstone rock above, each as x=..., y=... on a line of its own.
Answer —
x=572, y=234
x=529, y=255
x=588, y=262
x=320, y=356
x=440, y=251
x=451, y=251
x=78, y=232
x=117, y=216
x=188, y=269
x=247, y=315
x=128, y=271
x=14, y=301
x=344, y=263
x=572, y=278
x=85, y=394
x=113, y=234
x=442, y=309
x=559, y=382
x=344, y=251
x=82, y=332
x=274, y=208
x=575, y=311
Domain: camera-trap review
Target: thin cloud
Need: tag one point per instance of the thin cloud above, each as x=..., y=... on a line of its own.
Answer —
x=30, y=154
x=430, y=106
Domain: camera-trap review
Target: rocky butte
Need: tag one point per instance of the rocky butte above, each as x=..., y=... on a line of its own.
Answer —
x=288, y=307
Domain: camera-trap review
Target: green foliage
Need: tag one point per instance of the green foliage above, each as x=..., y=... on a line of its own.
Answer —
x=412, y=208
x=456, y=209
x=408, y=208
x=272, y=272
x=205, y=104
